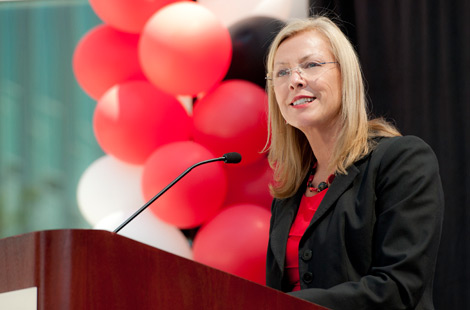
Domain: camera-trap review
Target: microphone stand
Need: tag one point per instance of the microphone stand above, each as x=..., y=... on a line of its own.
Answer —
x=224, y=158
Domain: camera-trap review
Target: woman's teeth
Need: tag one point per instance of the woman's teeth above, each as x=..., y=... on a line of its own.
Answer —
x=302, y=101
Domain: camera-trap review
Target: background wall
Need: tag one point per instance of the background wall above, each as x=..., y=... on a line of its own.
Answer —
x=46, y=137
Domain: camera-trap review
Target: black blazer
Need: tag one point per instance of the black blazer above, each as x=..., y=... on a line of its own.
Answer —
x=372, y=243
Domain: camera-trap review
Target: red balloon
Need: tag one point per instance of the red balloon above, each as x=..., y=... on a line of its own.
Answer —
x=249, y=183
x=197, y=196
x=185, y=49
x=235, y=241
x=127, y=15
x=232, y=118
x=133, y=119
x=105, y=57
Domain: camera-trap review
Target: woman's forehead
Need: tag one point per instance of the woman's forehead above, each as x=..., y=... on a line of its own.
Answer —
x=301, y=46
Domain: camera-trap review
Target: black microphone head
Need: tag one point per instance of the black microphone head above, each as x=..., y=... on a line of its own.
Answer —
x=232, y=158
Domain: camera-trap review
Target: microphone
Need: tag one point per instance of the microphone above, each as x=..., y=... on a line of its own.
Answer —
x=232, y=158
x=229, y=158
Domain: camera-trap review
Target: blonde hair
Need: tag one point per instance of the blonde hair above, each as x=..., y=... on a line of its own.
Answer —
x=290, y=154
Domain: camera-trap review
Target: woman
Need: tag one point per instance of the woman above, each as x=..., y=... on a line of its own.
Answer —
x=357, y=209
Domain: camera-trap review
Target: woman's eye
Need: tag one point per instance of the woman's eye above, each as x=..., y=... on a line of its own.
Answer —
x=310, y=65
x=283, y=72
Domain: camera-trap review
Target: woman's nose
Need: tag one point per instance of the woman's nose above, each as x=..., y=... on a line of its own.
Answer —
x=296, y=78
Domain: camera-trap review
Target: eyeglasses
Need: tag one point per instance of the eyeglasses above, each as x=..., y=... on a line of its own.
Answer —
x=307, y=69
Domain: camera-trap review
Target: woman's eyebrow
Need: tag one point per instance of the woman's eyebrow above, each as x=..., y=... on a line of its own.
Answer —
x=301, y=60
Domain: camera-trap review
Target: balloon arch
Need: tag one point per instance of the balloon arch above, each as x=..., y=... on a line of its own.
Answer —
x=177, y=82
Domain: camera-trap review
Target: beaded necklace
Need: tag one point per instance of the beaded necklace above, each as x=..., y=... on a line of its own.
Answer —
x=323, y=185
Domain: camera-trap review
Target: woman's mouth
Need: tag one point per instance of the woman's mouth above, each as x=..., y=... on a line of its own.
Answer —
x=302, y=100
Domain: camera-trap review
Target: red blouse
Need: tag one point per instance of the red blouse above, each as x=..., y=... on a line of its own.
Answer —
x=308, y=206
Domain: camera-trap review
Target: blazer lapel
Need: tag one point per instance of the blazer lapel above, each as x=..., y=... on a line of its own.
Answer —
x=280, y=233
x=288, y=210
x=338, y=187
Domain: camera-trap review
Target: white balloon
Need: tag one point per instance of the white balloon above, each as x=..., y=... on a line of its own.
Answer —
x=231, y=11
x=109, y=185
x=147, y=228
x=299, y=9
x=280, y=9
x=187, y=103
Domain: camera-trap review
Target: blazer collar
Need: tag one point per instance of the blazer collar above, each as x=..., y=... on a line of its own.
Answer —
x=288, y=209
x=340, y=184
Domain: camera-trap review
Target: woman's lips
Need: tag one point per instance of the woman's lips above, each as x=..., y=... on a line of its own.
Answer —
x=302, y=100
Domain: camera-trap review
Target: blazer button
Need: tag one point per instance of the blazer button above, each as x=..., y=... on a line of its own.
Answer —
x=307, y=277
x=307, y=255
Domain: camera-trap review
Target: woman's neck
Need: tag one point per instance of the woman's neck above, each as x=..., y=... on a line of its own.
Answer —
x=322, y=143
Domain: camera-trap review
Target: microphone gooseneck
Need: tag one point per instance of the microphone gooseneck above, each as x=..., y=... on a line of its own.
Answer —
x=229, y=158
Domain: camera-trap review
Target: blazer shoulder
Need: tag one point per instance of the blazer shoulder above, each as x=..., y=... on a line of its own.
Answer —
x=404, y=152
x=385, y=142
x=401, y=144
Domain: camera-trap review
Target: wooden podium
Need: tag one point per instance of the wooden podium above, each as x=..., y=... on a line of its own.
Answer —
x=95, y=269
